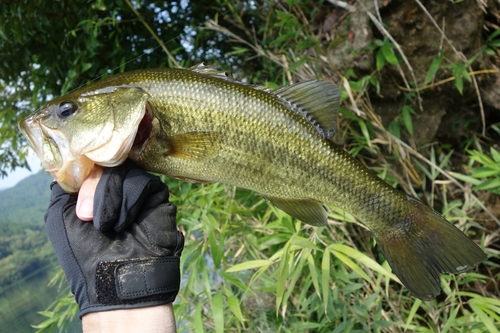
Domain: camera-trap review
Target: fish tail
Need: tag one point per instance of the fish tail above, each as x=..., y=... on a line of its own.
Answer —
x=425, y=245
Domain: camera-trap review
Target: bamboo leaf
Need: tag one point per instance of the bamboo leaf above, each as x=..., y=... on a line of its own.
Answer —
x=303, y=242
x=380, y=60
x=451, y=319
x=198, y=320
x=314, y=273
x=487, y=321
x=283, y=272
x=393, y=128
x=431, y=73
x=407, y=118
x=465, y=178
x=325, y=278
x=364, y=130
x=389, y=55
x=493, y=35
x=215, y=249
x=351, y=264
x=249, y=265
x=413, y=311
x=297, y=272
x=483, y=172
x=495, y=153
x=218, y=313
x=488, y=185
x=234, y=305
x=361, y=258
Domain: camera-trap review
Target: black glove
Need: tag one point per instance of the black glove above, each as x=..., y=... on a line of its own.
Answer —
x=134, y=264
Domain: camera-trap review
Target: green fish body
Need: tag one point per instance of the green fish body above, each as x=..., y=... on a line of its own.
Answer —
x=199, y=125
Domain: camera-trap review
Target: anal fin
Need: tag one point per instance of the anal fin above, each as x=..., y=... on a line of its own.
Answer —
x=307, y=210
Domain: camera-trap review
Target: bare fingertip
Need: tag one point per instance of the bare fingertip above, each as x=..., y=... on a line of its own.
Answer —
x=85, y=209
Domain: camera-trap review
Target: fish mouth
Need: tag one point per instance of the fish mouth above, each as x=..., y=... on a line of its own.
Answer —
x=51, y=147
x=31, y=128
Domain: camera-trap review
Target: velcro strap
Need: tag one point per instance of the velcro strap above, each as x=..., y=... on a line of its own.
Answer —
x=146, y=277
x=138, y=280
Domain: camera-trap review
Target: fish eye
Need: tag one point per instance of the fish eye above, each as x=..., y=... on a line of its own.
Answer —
x=66, y=109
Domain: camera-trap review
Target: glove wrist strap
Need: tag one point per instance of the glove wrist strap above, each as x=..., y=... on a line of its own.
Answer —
x=138, y=280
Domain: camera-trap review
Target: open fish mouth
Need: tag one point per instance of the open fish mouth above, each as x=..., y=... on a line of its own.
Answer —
x=42, y=142
x=51, y=146
x=31, y=130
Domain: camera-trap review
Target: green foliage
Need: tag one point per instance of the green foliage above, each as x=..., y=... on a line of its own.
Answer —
x=460, y=72
x=486, y=176
x=435, y=65
x=492, y=43
x=385, y=53
x=59, y=314
x=403, y=121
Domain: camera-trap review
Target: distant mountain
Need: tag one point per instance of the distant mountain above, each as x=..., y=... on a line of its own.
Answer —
x=27, y=201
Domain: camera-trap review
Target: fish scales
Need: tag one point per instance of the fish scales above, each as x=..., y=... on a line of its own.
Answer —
x=256, y=143
x=199, y=125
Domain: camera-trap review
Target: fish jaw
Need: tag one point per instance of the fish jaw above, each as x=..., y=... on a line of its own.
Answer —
x=52, y=147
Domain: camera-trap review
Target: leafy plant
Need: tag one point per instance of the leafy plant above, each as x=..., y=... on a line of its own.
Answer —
x=492, y=43
x=460, y=71
x=487, y=175
x=434, y=67
x=385, y=53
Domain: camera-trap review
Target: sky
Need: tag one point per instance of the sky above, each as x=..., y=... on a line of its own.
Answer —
x=19, y=174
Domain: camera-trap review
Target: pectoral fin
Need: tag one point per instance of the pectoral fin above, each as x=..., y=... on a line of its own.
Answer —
x=307, y=210
x=194, y=145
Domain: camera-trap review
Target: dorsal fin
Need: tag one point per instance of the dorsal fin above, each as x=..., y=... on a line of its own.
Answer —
x=211, y=71
x=316, y=101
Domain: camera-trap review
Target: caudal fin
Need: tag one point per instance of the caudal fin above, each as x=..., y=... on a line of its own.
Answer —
x=425, y=245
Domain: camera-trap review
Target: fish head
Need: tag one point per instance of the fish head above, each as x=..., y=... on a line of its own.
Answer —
x=86, y=127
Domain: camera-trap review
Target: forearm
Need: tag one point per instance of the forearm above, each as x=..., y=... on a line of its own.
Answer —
x=159, y=319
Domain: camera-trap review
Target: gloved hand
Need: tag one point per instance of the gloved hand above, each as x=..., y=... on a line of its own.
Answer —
x=129, y=257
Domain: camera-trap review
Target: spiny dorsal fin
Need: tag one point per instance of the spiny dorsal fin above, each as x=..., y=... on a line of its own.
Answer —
x=210, y=70
x=316, y=101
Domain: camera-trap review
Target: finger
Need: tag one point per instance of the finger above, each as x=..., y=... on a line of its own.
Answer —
x=85, y=203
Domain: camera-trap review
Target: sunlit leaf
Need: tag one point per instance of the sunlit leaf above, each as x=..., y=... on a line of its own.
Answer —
x=218, y=313
x=325, y=277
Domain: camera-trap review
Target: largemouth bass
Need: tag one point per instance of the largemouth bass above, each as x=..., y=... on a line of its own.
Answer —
x=197, y=124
